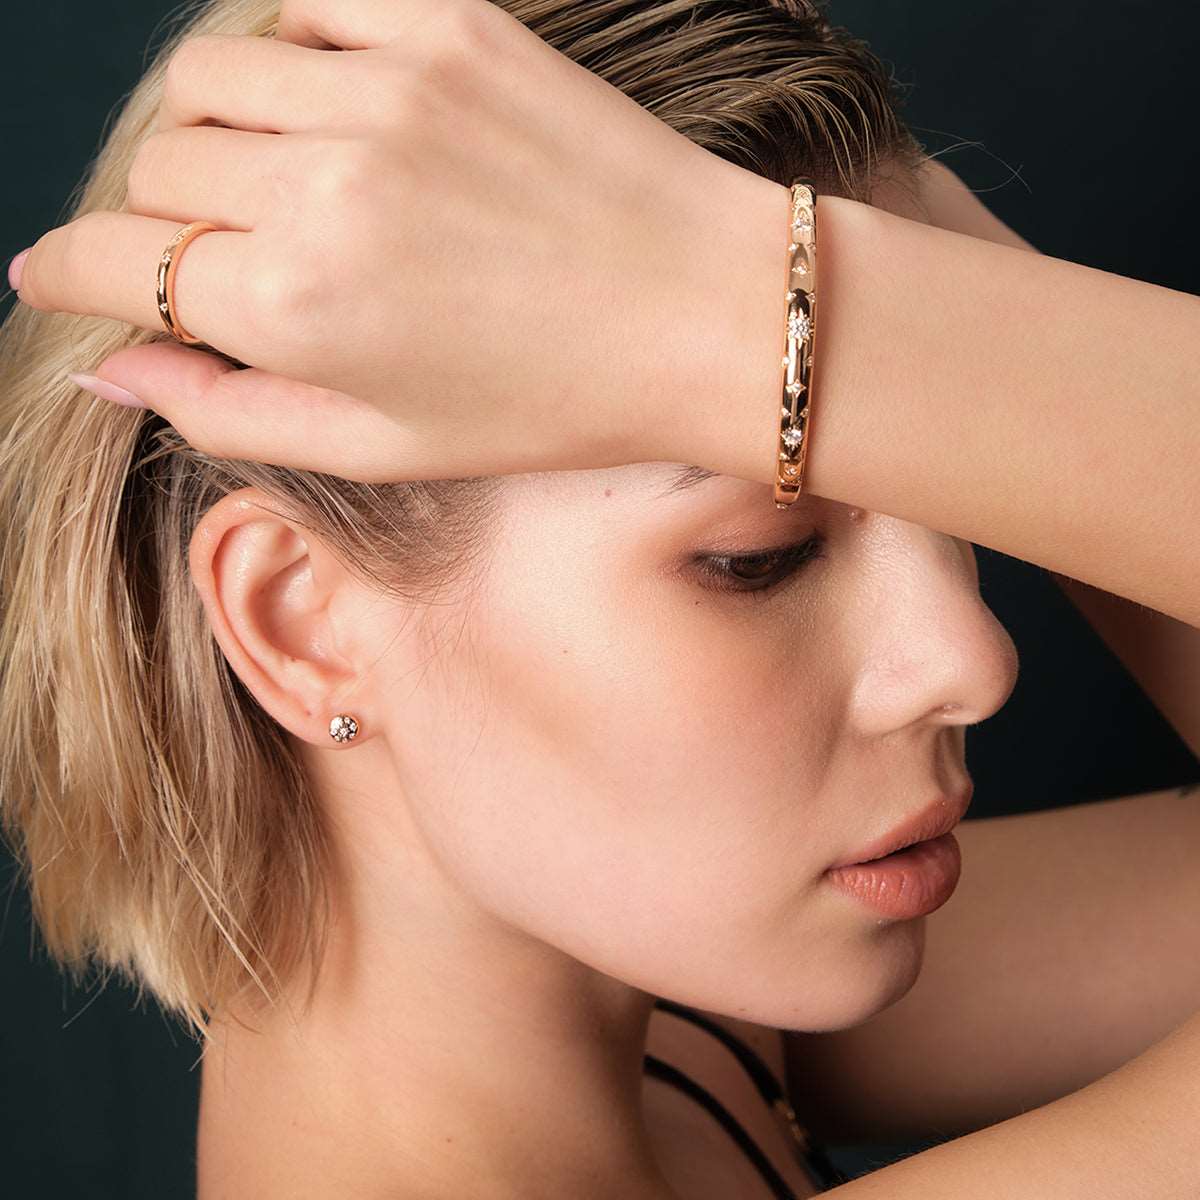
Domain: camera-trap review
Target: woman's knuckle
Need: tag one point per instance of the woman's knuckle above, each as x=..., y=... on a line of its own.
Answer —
x=270, y=293
x=345, y=171
x=75, y=273
x=457, y=44
x=283, y=295
x=466, y=30
x=145, y=167
x=186, y=59
x=78, y=246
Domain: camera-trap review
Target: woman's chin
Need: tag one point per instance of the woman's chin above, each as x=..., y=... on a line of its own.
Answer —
x=892, y=965
x=857, y=987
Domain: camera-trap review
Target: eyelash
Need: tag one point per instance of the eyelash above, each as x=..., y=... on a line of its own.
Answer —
x=721, y=567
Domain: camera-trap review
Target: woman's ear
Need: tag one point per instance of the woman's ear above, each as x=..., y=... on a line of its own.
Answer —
x=285, y=612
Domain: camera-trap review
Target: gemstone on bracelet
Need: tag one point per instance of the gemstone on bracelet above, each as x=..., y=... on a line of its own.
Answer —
x=798, y=326
x=792, y=437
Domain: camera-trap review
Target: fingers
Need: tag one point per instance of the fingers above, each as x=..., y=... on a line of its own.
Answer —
x=204, y=173
x=105, y=264
x=362, y=24
x=258, y=84
x=289, y=83
x=253, y=415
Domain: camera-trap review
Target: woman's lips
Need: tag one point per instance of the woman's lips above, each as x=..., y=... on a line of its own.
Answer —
x=914, y=868
x=907, y=883
x=939, y=817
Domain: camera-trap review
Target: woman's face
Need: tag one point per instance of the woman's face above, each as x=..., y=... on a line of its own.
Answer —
x=646, y=756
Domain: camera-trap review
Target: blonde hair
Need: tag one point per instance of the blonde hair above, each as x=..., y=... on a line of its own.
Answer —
x=162, y=821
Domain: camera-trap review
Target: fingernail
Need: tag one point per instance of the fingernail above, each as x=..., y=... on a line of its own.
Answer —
x=105, y=390
x=14, y=270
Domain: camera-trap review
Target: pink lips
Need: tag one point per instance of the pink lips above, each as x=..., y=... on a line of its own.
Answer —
x=937, y=818
x=909, y=883
x=914, y=868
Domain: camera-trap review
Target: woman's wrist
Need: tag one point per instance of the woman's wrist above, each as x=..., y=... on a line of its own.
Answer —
x=720, y=399
x=711, y=390
x=1027, y=403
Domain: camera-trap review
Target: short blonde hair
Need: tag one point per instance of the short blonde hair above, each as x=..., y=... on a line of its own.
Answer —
x=163, y=823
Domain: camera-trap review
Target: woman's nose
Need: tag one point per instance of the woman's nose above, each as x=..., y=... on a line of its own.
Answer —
x=933, y=652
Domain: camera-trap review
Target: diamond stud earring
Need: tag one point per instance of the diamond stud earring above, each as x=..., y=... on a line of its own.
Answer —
x=343, y=727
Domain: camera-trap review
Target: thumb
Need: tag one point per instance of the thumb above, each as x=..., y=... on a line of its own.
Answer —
x=131, y=376
x=246, y=413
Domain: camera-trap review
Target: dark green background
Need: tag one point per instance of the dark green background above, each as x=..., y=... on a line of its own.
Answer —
x=1076, y=119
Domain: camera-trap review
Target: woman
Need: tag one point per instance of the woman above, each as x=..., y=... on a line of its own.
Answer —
x=604, y=729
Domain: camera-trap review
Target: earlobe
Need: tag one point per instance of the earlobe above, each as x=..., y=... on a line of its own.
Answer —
x=276, y=603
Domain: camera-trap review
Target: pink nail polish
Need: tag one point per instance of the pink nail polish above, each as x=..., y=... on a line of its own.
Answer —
x=105, y=390
x=14, y=270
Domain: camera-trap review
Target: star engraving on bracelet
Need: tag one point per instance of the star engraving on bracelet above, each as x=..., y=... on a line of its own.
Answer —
x=792, y=437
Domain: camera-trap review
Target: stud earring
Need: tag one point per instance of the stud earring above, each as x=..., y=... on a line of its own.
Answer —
x=343, y=727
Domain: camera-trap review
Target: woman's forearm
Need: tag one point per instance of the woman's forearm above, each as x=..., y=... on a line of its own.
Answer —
x=1161, y=653
x=1043, y=408
x=1133, y=1132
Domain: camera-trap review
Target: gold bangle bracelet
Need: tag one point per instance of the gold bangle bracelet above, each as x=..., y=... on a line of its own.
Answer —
x=795, y=427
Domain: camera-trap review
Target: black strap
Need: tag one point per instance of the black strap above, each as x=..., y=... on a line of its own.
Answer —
x=814, y=1156
x=762, y=1075
x=778, y=1185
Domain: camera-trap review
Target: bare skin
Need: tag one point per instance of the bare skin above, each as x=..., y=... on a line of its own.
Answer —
x=1063, y=428
x=454, y=1011
x=235, y=1117
x=535, y=821
x=1066, y=412
x=1066, y=950
x=537, y=817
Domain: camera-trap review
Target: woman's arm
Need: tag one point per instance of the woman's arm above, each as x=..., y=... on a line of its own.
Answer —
x=1067, y=950
x=1134, y=1132
x=1044, y=408
x=1041, y=970
x=1162, y=654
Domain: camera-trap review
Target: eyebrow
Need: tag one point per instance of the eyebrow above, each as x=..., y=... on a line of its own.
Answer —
x=687, y=477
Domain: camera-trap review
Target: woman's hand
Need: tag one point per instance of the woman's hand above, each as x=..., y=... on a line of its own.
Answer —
x=445, y=250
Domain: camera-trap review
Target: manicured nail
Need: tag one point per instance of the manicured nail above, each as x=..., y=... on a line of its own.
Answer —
x=14, y=270
x=105, y=390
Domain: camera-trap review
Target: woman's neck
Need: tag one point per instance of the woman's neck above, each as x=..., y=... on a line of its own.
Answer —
x=452, y=1056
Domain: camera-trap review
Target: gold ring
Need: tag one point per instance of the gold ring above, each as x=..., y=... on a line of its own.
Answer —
x=167, y=266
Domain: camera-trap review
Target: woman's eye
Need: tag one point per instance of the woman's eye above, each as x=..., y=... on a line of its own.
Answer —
x=760, y=571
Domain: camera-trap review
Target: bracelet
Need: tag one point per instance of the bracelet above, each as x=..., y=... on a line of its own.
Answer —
x=801, y=319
